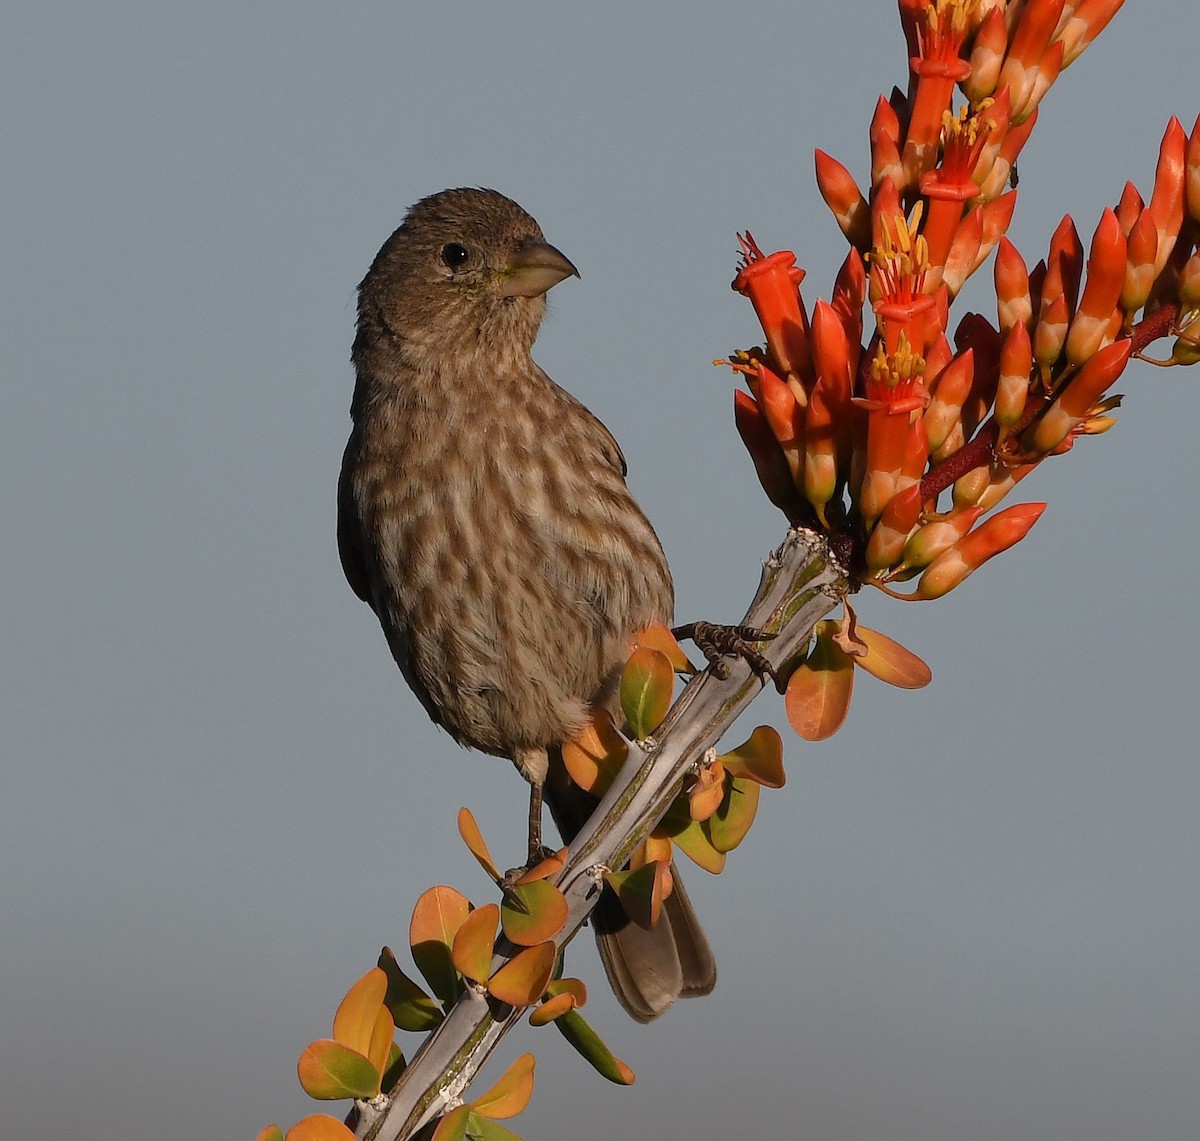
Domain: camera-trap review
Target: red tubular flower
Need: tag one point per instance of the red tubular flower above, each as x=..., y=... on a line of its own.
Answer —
x=1030, y=42
x=1014, y=305
x=1130, y=208
x=1088, y=20
x=885, y=145
x=1012, y=389
x=1105, y=277
x=987, y=56
x=1072, y=406
x=997, y=534
x=948, y=394
x=764, y=450
x=951, y=184
x=843, y=197
x=1065, y=262
x=1050, y=334
x=820, y=451
x=941, y=27
x=1044, y=75
x=895, y=392
x=1014, y=141
x=773, y=285
x=933, y=538
x=960, y=260
x=785, y=418
x=998, y=117
x=831, y=358
x=1167, y=201
x=1141, y=253
x=849, y=294
x=976, y=332
x=886, y=545
x=899, y=289
x=1192, y=178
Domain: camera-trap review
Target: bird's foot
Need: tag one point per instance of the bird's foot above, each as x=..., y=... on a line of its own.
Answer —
x=716, y=642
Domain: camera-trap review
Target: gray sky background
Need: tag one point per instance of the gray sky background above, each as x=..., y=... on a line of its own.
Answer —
x=971, y=915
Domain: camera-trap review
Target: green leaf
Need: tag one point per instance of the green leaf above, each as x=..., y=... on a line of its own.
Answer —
x=438, y=915
x=533, y=912
x=647, y=685
x=578, y=1031
x=411, y=1007
x=727, y=827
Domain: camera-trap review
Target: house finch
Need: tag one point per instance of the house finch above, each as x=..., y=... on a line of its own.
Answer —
x=483, y=515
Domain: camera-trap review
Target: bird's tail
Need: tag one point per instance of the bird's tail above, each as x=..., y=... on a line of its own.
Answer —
x=647, y=970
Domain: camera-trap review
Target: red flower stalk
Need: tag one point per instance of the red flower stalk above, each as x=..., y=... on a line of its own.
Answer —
x=995, y=535
x=1105, y=277
x=843, y=197
x=773, y=285
x=1073, y=404
x=1014, y=305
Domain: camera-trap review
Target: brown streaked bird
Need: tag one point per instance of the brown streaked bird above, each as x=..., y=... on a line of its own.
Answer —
x=483, y=514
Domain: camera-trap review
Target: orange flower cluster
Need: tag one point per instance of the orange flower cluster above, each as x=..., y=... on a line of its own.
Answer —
x=862, y=442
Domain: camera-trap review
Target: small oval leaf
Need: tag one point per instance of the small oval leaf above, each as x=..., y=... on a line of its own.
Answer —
x=522, y=980
x=641, y=892
x=818, y=692
x=511, y=1094
x=411, y=1007
x=453, y=1126
x=891, y=662
x=438, y=915
x=759, y=758
x=594, y=756
x=704, y=797
x=691, y=839
x=468, y=829
x=551, y=1009
x=658, y=637
x=319, y=1127
x=475, y=942
x=727, y=827
x=647, y=685
x=354, y=1022
x=329, y=1071
x=533, y=912
x=271, y=1133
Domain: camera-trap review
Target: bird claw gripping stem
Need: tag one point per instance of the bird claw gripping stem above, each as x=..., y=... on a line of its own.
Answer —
x=716, y=642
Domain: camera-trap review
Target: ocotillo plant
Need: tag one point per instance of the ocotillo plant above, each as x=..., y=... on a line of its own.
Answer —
x=889, y=437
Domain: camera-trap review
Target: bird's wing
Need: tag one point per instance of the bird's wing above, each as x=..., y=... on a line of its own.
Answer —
x=349, y=536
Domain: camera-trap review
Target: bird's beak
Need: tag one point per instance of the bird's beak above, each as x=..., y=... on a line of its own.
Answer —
x=534, y=268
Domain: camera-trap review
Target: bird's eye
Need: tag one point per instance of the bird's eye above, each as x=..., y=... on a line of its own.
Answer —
x=454, y=255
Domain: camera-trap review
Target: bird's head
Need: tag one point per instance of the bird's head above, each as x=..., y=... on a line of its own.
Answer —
x=466, y=273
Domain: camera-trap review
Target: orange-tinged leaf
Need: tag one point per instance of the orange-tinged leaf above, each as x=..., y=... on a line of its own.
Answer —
x=657, y=846
x=891, y=662
x=658, y=637
x=411, y=1007
x=522, y=980
x=647, y=685
x=475, y=942
x=727, y=827
x=595, y=755
x=641, y=892
x=818, y=692
x=271, y=1133
x=511, y=1093
x=551, y=1009
x=578, y=1031
x=704, y=797
x=354, y=1022
x=319, y=1127
x=394, y=1068
x=573, y=987
x=549, y=866
x=468, y=829
x=453, y=1126
x=380, y=1049
x=759, y=758
x=533, y=912
x=328, y=1071
x=481, y=1128
x=438, y=915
